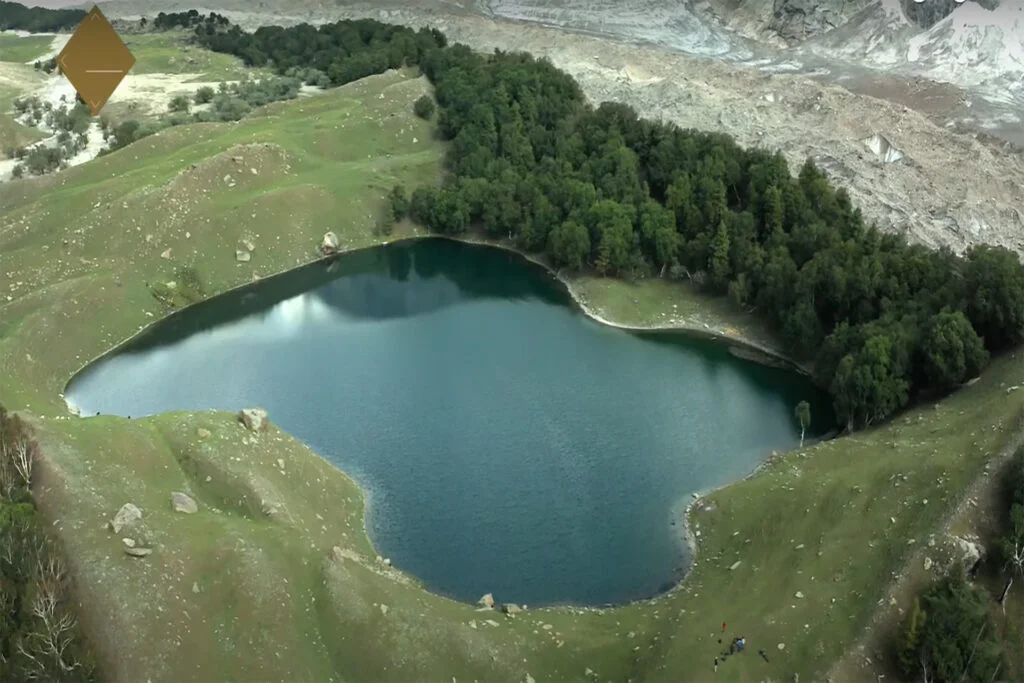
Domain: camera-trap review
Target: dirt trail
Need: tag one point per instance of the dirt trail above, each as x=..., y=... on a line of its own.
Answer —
x=857, y=663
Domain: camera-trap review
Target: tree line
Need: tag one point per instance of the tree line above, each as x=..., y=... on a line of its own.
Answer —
x=39, y=637
x=603, y=190
x=17, y=17
x=191, y=19
x=345, y=51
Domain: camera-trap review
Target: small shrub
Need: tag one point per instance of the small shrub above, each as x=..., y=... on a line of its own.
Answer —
x=204, y=95
x=424, y=107
x=179, y=104
x=399, y=202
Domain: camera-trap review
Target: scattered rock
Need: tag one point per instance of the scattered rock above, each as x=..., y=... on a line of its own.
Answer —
x=227, y=178
x=253, y=171
x=242, y=255
x=329, y=244
x=182, y=502
x=128, y=542
x=387, y=561
x=203, y=433
x=195, y=587
x=337, y=554
x=529, y=679
x=138, y=552
x=248, y=245
x=735, y=565
x=166, y=254
x=237, y=160
x=547, y=627
x=927, y=563
x=971, y=552
x=383, y=609
x=254, y=419
x=782, y=646
x=799, y=595
x=472, y=624
x=492, y=622
x=486, y=601
x=128, y=516
x=511, y=609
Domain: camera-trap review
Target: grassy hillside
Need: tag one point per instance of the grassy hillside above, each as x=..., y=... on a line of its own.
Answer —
x=16, y=80
x=21, y=49
x=171, y=52
x=251, y=588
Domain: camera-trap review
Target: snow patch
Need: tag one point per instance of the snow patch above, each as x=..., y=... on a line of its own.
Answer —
x=882, y=148
x=973, y=44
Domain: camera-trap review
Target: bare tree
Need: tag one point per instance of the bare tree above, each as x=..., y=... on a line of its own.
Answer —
x=24, y=459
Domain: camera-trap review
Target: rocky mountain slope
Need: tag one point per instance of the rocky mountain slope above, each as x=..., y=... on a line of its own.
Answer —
x=909, y=174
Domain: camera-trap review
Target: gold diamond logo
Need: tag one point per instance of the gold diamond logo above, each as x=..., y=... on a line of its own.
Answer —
x=95, y=60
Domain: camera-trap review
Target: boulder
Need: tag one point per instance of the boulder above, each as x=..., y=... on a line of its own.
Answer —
x=329, y=244
x=254, y=419
x=242, y=256
x=970, y=552
x=182, y=502
x=486, y=601
x=127, y=517
x=511, y=609
x=138, y=552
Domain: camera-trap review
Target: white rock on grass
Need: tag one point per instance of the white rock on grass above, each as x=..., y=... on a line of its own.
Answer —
x=254, y=419
x=182, y=502
x=128, y=516
x=486, y=601
x=329, y=244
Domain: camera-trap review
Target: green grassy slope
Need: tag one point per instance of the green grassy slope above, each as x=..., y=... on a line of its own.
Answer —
x=274, y=601
x=170, y=52
x=16, y=80
x=21, y=49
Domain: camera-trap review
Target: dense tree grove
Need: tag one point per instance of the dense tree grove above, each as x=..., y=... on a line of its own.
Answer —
x=17, y=17
x=948, y=636
x=1010, y=548
x=600, y=188
x=190, y=19
x=345, y=51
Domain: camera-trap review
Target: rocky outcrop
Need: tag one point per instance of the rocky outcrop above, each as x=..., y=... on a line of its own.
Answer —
x=254, y=419
x=511, y=609
x=797, y=20
x=486, y=601
x=329, y=244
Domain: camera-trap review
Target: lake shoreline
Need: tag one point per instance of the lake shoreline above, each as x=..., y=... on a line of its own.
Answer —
x=738, y=346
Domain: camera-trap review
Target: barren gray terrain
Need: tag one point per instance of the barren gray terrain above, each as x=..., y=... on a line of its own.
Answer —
x=906, y=146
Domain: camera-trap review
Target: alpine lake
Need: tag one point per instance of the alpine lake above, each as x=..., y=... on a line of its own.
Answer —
x=507, y=443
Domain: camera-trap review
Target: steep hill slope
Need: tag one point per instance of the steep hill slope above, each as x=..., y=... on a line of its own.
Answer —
x=274, y=578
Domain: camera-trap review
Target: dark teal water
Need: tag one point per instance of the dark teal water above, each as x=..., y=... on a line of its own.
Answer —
x=508, y=443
